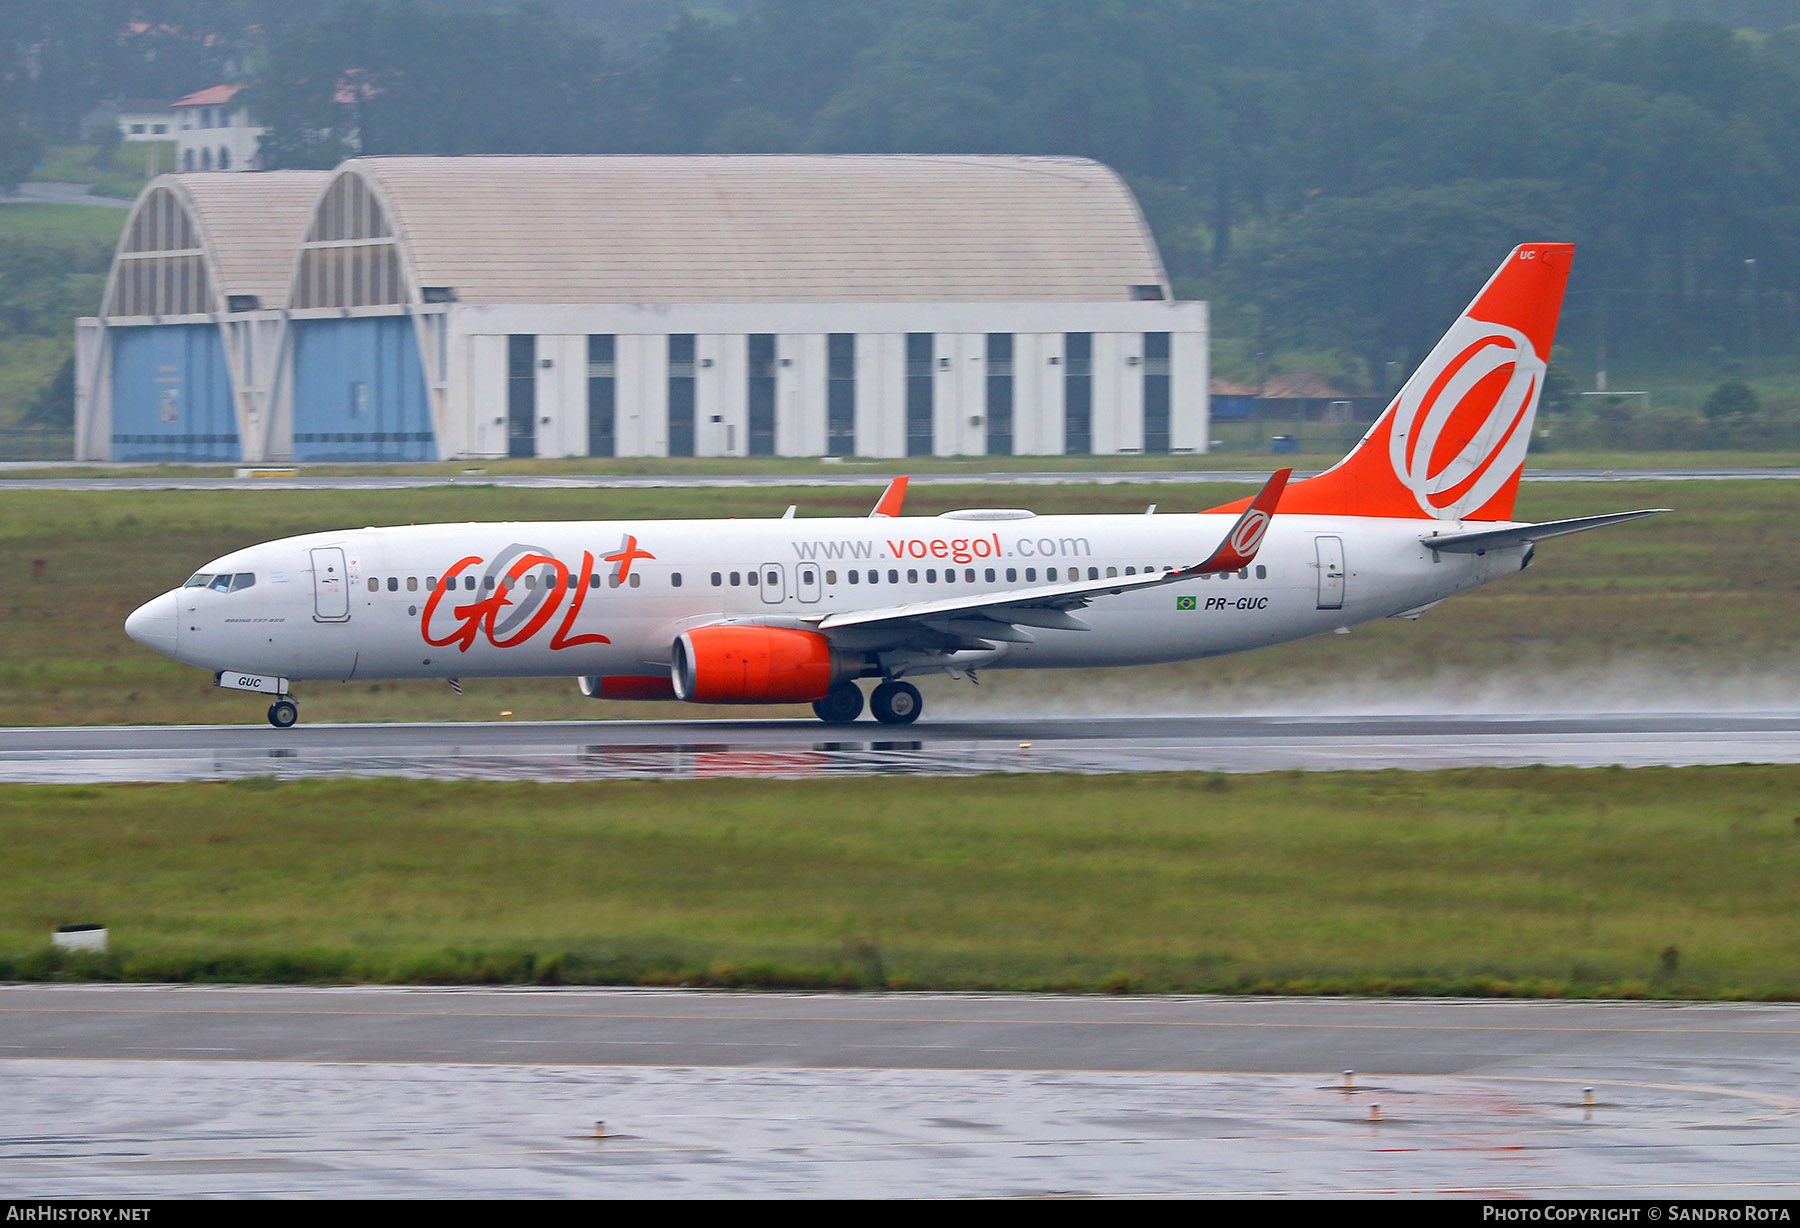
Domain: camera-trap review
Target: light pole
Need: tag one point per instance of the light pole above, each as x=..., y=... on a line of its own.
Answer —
x=1755, y=324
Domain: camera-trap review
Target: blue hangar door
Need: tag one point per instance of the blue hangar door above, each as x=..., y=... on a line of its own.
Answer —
x=359, y=391
x=171, y=397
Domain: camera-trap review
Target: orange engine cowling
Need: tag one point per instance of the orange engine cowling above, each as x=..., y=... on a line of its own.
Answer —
x=753, y=665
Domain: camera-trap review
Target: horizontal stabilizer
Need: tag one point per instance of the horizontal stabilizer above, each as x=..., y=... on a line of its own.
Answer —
x=1518, y=535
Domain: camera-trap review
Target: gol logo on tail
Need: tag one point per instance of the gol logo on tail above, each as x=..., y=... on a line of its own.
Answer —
x=1474, y=403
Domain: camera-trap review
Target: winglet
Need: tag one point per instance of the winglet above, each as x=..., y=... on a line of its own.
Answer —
x=1246, y=536
x=891, y=499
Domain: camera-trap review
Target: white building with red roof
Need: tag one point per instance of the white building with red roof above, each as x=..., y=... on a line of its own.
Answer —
x=215, y=132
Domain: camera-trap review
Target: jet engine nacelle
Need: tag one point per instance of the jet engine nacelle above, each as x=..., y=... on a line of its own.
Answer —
x=755, y=665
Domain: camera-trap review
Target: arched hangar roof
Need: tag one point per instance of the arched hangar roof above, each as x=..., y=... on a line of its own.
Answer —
x=194, y=242
x=738, y=228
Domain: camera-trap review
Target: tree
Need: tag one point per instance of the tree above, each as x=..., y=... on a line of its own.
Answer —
x=19, y=152
x=1731, y=399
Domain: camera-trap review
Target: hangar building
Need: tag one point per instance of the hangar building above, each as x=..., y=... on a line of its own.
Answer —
x=416, y=308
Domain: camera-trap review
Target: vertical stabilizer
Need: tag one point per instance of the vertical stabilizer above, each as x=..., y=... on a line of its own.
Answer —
x=1452, y=444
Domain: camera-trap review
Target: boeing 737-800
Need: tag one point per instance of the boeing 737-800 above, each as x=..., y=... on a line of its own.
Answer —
x=798, y=611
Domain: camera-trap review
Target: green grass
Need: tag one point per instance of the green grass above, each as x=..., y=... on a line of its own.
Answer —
x=1691, y=609
x=62, y=223
x=120, y=173
x=1551, y=882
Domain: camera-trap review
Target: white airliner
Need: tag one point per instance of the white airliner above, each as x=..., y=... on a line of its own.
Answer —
x=798, y=611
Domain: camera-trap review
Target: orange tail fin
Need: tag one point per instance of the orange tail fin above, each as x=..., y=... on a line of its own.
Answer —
x=1452, y=444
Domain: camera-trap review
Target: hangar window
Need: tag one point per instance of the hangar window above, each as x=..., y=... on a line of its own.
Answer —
x=349, y=258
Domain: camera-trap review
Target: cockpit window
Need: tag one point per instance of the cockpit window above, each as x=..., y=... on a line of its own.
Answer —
x=221, y=583
x=198, y=580
x=242, y=581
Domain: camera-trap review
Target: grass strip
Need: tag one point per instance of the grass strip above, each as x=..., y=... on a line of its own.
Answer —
x=1661, y=883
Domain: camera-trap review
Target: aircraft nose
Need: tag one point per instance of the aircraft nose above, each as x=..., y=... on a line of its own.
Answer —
x=153, y=624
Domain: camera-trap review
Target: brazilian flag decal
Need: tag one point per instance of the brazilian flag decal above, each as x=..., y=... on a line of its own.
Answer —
x=1187, y=603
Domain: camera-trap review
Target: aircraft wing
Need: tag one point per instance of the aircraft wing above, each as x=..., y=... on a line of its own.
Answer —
x=1499, y=539
x=997, y=616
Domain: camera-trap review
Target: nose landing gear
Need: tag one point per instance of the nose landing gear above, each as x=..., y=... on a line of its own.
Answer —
x=283, y=713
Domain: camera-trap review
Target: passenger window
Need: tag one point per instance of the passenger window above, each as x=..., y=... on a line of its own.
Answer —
x=374, y=585
x=487, y=582
x=894, y=576
x=1031, y=575
x=431, y=583
x=855, y=576
x=393, y=584
x=774, y=577
x=969, y=575
x=736, y=578
x=1112, y=573
x=1243, y=573
x=636, y=579
x=990, y=575
x=1093, y=573
x=717, y=579
x=1050, y=574
x=593, y=580
x=612, y=581
x=469, y=583
x=1012, y=575
x=1131, y=571
x=1262, y=573
x=675, y=579
x=412, y=584
x=931, y=575
x=912, y=575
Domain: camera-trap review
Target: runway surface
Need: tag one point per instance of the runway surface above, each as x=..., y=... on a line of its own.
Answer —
x=850, y=478
x=603, y=750
x=128, y=1092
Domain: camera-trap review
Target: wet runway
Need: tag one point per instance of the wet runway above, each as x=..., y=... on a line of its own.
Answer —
x=185, y=1091
x=604, y=750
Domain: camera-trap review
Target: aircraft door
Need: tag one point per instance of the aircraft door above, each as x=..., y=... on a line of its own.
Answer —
x=774, y=583
x=1331, y=572
x=331, y=586
x=806, y=581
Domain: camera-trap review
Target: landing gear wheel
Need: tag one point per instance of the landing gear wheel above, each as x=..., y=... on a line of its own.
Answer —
x=842, y=704
x=896, y=703
x=283, y=713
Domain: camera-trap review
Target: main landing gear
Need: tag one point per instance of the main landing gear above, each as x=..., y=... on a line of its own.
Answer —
x=283, y=713
x=893, y=703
